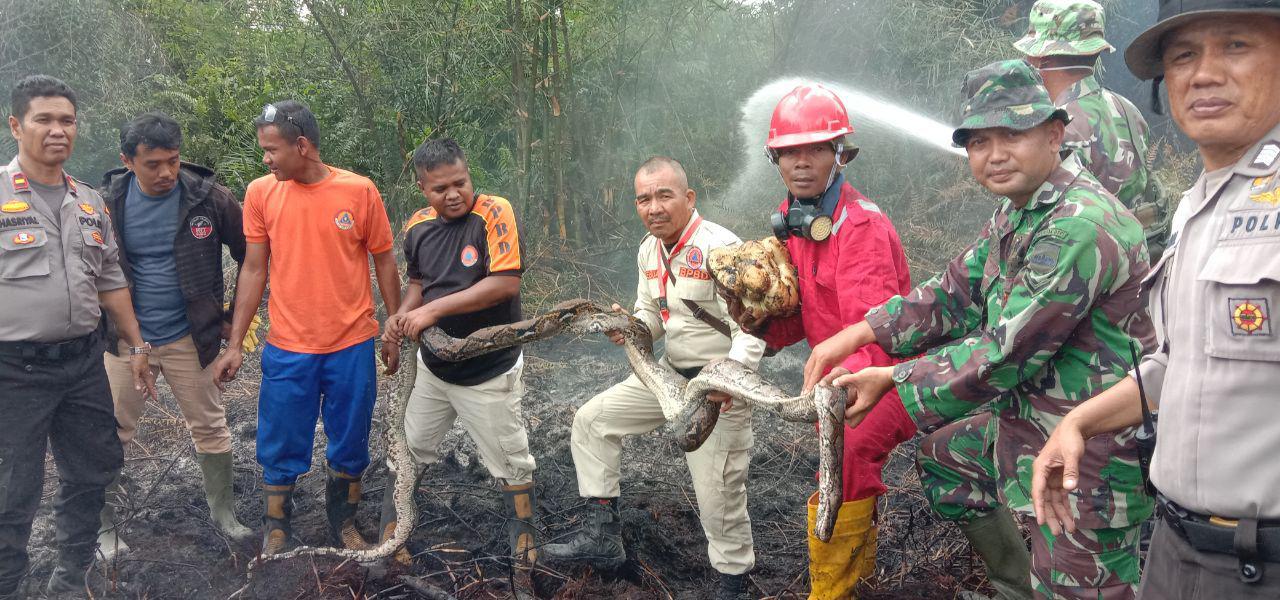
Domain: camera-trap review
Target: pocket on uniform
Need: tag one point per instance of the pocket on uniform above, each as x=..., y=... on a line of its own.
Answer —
x=1243, y=290
x=22, y=253
x=95, y=246
x=515, y=446
x=698, y=290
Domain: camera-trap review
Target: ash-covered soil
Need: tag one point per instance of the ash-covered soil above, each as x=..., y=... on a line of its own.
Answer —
x=460, y=542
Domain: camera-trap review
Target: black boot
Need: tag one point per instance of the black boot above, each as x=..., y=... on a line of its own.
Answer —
x=277, y=523
x=732, y=587
x=68, y=579
x=342, y=499
x=521, y=534
x=598, y=542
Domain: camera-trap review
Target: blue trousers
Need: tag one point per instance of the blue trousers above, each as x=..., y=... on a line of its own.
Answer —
x=297, y=388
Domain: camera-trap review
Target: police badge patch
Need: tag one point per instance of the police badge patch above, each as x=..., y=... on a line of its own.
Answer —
x=1250, y=317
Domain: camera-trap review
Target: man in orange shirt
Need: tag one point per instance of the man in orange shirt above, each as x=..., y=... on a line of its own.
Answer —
x=317, y=224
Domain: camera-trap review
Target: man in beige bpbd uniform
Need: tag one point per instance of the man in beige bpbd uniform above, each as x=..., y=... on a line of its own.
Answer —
x=677, y=300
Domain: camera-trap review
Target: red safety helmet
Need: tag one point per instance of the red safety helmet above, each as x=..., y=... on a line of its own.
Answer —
x=807, y=115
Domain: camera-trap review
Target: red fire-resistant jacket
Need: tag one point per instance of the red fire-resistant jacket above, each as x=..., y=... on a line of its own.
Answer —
x=859, y=267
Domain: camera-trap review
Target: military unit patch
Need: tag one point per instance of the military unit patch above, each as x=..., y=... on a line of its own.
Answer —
x=23, y=238
x=1042, y=264
x=97, y=237
x=1250, y=317
x=87, y=208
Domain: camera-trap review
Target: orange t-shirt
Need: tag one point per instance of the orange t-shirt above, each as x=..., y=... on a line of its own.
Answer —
x=320, y=236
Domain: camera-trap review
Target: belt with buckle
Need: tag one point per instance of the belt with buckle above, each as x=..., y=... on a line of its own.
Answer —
x=1252, y=541
x=48, y=351
x=689, y=373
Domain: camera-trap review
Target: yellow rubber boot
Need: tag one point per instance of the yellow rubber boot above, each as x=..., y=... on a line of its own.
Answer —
x=836, y=567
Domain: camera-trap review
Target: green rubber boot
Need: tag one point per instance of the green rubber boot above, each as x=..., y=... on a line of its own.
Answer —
x=217, y=490
x=996, y=538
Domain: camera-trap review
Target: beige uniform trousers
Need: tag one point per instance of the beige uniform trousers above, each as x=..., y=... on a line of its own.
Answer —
x=489, y=412
x=198, y=398
x=718, y=468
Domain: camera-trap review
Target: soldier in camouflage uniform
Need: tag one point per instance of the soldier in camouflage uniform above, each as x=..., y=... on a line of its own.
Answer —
x=1107, y=132
x=1033, y=318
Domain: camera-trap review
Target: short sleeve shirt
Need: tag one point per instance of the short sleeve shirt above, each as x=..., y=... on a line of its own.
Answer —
x=449, y=256
x=54, y=260
x=320, y=237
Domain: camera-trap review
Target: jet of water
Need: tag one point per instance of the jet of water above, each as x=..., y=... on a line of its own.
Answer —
x=872, y=118
x=865, y=110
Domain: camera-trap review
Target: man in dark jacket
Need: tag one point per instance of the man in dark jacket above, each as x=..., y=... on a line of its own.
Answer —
x=171, y=219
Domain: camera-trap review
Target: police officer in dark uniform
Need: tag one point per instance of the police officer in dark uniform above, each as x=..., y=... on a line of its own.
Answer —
x=58, y=269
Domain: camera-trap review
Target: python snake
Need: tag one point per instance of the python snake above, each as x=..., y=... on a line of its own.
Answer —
x=690, y=416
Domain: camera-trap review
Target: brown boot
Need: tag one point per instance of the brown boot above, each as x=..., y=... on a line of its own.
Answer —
x=277, y=525
x=521, y=533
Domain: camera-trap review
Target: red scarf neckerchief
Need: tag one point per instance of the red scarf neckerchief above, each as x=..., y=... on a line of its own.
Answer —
x=665, y=266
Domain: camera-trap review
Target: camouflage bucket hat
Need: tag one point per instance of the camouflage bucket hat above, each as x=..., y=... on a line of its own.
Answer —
x=1009, y=94
x=1065, y=28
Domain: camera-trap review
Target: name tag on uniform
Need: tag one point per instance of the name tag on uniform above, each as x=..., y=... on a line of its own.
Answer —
x=1251, y=224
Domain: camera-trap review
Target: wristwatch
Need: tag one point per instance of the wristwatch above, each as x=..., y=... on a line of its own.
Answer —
x=145, y=348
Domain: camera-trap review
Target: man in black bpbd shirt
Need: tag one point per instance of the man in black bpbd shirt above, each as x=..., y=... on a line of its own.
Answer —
x=464, y=264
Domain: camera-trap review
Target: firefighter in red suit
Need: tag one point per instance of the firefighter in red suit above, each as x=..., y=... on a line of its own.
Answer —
x=849, y=259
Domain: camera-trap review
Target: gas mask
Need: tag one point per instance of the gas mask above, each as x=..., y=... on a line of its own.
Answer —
x=805, y=218
x=802, y=219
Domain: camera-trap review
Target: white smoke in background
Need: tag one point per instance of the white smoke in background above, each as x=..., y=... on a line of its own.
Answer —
x=873, y=119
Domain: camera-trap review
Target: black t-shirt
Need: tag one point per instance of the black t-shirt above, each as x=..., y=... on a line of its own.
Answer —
x=451, y=256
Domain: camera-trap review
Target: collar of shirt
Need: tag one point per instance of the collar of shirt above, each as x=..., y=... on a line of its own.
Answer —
x=694, y=219
x=14, y=176
x=1085, y=87
x=1059, y=180
x=1261, y=160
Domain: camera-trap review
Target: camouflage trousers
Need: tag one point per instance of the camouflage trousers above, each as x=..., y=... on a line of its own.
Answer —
x=958, y=473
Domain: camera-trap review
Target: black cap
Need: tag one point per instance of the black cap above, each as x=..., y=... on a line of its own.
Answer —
x=1143, y=55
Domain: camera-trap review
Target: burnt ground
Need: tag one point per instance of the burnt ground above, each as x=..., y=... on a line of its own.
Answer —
x=460, y=541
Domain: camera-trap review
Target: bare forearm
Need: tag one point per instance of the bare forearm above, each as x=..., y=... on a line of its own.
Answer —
x=488, y=292
x=412, y=298
x=1114, y=409
x=249, y=287
x=384, y=266
x=119, y=306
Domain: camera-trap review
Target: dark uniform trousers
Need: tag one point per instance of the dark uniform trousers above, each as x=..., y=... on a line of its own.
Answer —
x=67, y=402
x=1177, y=571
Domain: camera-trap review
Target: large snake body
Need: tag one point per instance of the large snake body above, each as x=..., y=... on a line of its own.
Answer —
x=690, y=416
